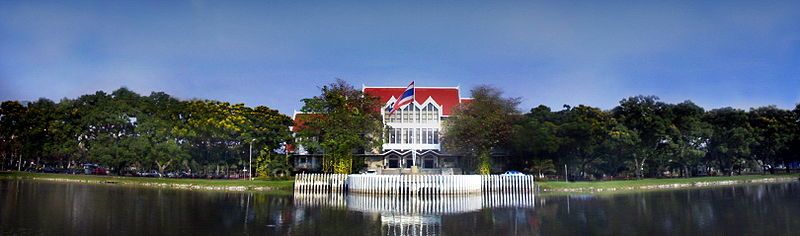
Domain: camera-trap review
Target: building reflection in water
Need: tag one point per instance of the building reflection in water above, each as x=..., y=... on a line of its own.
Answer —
x=414, y=215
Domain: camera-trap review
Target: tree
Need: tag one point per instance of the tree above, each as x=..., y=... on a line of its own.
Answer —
x=12, y=130
x=620, y=149
x=475, y=128
x=541, y=167
x=731, y=138
x=793, y=152
x=644, y=117
x=584, y=130
x=346, y=120
x=535, y=136
x=687, y=135
x=773, y=130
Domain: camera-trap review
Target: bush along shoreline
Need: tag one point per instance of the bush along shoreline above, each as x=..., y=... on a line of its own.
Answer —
x=190, y=184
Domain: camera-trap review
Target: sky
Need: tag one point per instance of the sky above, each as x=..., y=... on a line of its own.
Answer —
x=274, y=53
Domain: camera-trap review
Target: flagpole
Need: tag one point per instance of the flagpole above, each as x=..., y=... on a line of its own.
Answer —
x=414, y=151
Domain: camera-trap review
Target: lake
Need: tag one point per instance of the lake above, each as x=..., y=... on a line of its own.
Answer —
x=56, y=208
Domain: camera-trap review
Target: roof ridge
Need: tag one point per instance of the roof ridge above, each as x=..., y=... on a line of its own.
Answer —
x=365, y=87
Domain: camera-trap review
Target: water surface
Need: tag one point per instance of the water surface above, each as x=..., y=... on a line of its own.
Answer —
x=55, y=208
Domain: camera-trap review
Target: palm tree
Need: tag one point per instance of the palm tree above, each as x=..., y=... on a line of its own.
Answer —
x=541, y=167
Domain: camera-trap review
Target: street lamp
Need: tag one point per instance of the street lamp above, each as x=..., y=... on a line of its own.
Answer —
x=250, y=166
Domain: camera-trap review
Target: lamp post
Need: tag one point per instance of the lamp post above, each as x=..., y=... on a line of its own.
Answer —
x=250, y=166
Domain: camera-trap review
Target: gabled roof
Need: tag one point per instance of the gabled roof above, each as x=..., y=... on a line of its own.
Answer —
x=447, y=97
x=299, y=119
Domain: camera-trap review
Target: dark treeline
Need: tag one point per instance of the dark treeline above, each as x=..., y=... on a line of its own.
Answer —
x=641, y=137
x=644, y=137
x=127, y=132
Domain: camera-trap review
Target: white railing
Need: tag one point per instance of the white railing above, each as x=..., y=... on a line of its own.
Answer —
x=413, y=185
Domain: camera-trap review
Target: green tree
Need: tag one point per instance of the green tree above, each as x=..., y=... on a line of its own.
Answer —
x=793, y=152
x=541, y=167
x=687, y=136
x=475, y=128
x=535, y=136
x=584, y=130
x=347, y=120
x=12, y=131
x=645, y=117
x=774, y=130
x=620, y=148
x=731, y=138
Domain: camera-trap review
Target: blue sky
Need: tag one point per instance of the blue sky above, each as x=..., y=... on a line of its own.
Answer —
x=274, y=53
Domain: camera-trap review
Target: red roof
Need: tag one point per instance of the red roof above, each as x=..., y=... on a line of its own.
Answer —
x=300, y=119
x=447, y=97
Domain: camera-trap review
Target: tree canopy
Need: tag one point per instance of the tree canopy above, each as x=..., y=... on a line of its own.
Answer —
x=126, y=131
x=345, y=120
x=477, y=127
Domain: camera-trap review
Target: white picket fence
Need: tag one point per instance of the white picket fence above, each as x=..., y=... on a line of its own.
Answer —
x=413, y=185
x=507, y=183
x=320, y=183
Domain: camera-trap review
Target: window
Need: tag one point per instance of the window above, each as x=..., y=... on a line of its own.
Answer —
x=407, y=114
x=391, y=136
x=417, y=138
x=429, y=135
x=397, y=135
x=435, y=136
x=428, y=163
x=414, y=113
x=424, y=114
x=393, y=162
x=431, y=113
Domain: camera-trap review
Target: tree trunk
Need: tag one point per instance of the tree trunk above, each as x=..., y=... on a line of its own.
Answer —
x=686, y=173
x=161, y=167
x=485, y=165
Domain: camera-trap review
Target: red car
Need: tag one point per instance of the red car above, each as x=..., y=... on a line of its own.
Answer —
x=94, y=169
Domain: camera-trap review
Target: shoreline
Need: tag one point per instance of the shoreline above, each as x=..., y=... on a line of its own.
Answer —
x=187, y=184
x=609, y=186
x=612, y=186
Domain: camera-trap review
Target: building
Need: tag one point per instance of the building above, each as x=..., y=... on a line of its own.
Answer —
x=413, y=134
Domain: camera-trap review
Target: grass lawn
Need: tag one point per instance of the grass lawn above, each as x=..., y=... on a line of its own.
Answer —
x=645, y=183
x=212, y=183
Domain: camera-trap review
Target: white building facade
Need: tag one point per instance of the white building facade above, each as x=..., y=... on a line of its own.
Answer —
x=412, y=139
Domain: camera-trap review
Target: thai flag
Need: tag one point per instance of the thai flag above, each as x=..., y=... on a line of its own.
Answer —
x=406, y=98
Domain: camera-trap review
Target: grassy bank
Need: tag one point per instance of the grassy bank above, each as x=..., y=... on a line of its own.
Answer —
x=286, y=185
x=647, y=184
x=203, y=184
